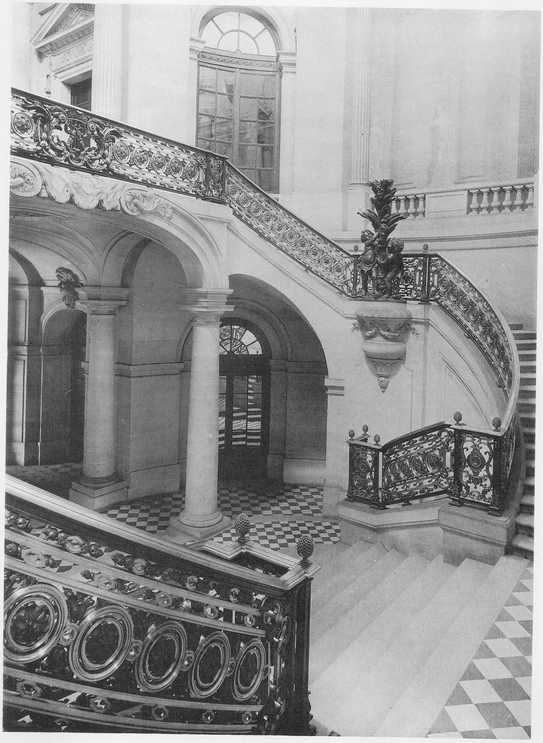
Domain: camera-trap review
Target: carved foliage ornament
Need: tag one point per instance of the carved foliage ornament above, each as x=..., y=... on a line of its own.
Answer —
x=68, y=283
x=84, y=190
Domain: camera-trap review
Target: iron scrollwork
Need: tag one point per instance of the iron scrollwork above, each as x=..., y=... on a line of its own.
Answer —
x=64, y=135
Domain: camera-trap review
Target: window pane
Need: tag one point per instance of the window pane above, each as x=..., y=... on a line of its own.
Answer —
x=248, y=84
x=264, y=179
x=247, y=108
x=250, y=25
x=229, y=42
x=266, y=44
x=207, y=78
x=247, y=132
x=224, y=130
x=206, y=104
x=240, y=386
x=266, y=110
x=205, y=127
x=224, y=106
x=227, y=21
x=266, y=133
x=265, y=157
x=246, y=44
x=266, y=86
x=211, y=35
x=225, y=81
x=246, y=156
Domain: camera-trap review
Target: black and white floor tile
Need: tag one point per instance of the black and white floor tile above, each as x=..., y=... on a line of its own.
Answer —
x=493, y=697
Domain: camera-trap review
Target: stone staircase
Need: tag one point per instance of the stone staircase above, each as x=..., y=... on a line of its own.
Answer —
x=391, y=635
x=523, y=540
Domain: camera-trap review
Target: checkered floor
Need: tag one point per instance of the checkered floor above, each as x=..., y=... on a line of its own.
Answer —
x=493, y=697
x=297, y=509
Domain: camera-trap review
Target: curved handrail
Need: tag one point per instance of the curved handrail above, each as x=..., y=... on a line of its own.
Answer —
x=109, y=629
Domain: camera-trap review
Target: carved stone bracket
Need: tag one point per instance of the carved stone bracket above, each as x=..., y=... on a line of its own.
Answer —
x=85, y=190
x=384, y=330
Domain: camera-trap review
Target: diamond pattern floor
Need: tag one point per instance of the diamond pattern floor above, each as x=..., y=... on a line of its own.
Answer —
x=493, y=697
x=287, y=511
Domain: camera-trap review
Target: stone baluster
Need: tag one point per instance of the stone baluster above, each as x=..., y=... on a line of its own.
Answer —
x=421, y=208
x=411, y=205
x=474, y=201
x=495, y=200
x=506, y=205
x=518, y=197
x=530, y=196
x=402, y=207
x=485, y=203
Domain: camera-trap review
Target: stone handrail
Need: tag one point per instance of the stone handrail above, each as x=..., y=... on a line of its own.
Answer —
x=108, y=630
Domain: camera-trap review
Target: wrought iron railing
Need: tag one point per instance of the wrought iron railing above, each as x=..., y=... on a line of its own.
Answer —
x=469, y=464
x=106, y=631
x=59, y=134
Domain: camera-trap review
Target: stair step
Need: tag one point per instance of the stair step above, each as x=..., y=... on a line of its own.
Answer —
x=526, y=345
x=529, y=490
x=527, y=380
x=526, y=393
x=522, y=544
x=529, y=436
x=525, y=523
x=525, y=407
x=324, y=615
x=530, y=469
x=527, y=503
x=342, y=561
x=528, y=369
x=516, y=325
x=359, y=568
x=324, y=652
x=336, y=682
x=524, y=335
x=525, y=356
x=427, y=693
x=383, y=685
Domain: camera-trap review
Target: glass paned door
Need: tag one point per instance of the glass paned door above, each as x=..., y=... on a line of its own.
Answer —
x=243, y=405
x=238, y=118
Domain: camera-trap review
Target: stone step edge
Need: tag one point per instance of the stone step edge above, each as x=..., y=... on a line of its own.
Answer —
x=432, y=684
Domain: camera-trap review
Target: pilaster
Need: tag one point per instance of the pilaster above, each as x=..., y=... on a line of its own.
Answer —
x=108, y=56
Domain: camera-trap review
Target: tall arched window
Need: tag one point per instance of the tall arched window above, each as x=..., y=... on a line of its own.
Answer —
x=238, y=95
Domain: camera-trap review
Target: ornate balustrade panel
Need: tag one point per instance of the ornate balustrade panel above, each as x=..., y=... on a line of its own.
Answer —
x=476, y=315
x=418, y=465
x=364, y=473
x=106, y=635
x=288, y=233
x=479, y=467
x=59, y=134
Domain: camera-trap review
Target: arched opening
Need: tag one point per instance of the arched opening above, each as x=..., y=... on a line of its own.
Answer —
x=244, y=401
x=63, y=388
x=239, y=93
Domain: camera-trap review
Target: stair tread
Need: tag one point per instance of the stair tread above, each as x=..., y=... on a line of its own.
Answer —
x=336, y=681
x=523, y=542
x=436, y=680
x=325, y=615
x=383, y=684
x=339, y=563
x=330, y=646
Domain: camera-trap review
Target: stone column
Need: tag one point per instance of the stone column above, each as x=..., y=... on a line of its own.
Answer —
x=107, y=60
x=359, y=191
x=201, y=515
x=99, y=485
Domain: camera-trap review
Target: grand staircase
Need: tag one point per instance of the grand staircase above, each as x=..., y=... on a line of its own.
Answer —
x=523, y=540
x=391, y=635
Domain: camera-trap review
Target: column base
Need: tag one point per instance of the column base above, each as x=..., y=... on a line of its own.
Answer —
x=97, y=497
x=180, y=532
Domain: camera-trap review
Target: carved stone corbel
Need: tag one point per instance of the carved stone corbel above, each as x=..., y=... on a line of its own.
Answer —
x=384, y=330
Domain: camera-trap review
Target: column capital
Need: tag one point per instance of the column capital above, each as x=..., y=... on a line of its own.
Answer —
x=206, y=305
x=103, y=300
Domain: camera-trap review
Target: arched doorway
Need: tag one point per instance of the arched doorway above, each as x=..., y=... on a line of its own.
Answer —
x=244, y=401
